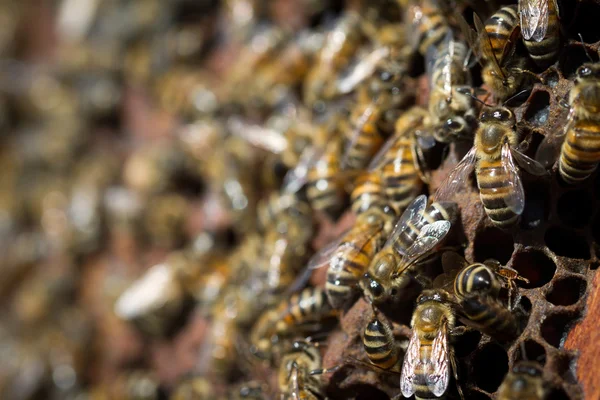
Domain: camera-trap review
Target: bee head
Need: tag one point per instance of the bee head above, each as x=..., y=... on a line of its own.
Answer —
x=587, y=71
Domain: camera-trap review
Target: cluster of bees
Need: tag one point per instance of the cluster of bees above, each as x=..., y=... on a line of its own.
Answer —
x=336, y=124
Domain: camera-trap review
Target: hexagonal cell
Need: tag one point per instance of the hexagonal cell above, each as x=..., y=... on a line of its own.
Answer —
x=537, y=205
x=467, y=343
x=523, y=311
x=531, y=350
x=566, y=291
x=555, y=328
x=535, y=266
x=539, y=108
x=490, y=365
x=493, y=243
x=551, y=77
x=574, y=208
x=566, y=366
x=574, y=56
x=557, y=394
x=567, y=243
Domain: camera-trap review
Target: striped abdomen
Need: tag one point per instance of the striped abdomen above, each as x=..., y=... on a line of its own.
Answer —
x=368, y=192
x=422, y=370
x=580, y=151
x=309, y=305
x=545, y=52
x=432, y=28
x=364, y=137
x=326, y=188
x=350, y=263
x=401, y=179
x=475, y=278
x=494, y=187
x=380, y=345
x=488, y=315
x=455, y=66
x=500, y=27
x=435, y=212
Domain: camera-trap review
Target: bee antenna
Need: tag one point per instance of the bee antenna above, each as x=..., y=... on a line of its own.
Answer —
x=514, y=96
x=585, y=48
x=469, y=92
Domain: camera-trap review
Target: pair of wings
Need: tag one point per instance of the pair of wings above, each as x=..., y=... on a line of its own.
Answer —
x=435, y=370
x=535, y=15
x=515, y=199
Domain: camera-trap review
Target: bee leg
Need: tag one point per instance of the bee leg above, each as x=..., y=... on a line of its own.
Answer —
x=368, y=365
x=455, y=373
x=320, y=371
x=460, y=330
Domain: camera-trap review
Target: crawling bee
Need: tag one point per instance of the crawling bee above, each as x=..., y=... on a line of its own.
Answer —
x=580, y=149
x=295, y=378
x=379, y=343
x=399, y=269
x=429, y=356
x=524, y=381
x=493, y=157
x=540, y=27
x=430, y=24
x=477, y=290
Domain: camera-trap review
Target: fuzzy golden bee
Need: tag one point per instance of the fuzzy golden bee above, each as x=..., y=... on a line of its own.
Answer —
x=294, y=378
x=523, y=381
x=493, y=158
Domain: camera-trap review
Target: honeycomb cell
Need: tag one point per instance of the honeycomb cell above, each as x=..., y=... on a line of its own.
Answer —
x=535, y=266
x=574, y=208
x=551, y=77
x=493, y=243
x=523, y=310
x=566, y=291
x=565, y=365
x=539, y=108
x=573, y=57
x=467, y=343
x=555, y=328
x=533, y=351
x=490, y=365
x=567, y=243
x=537, y=205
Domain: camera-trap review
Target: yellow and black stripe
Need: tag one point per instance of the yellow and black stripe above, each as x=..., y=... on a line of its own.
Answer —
x=438, y=211
x=545, y=52
x=380, y=345
x=494, y=186
x=363, y=136
x=500, y=27
x=580, y=153
x=367, y=192
x=325, y=190
x=432, y=27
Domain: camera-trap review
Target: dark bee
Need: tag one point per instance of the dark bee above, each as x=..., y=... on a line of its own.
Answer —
x=524, y=381
x=540, y=27
x=379, y=343
x=295, y=378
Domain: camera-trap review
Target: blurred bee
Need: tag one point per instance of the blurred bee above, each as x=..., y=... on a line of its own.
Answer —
x=580, y=149
x=493, y=157
x=303, y=311
x=540, y=27
x=252, y=390
x=477, y=290
x=379, y=343
x=341, y=43
x=523, y=381
x=194, y=388
x=399, y=268
x=427, y=25
x=295, y=378
x=429, y=356
x=453, y=113
x=397, y=173
x=494, y=46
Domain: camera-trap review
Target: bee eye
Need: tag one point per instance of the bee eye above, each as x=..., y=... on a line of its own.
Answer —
x=498, y=114
x=385, y=76
x=376, y=288
x=584, y=71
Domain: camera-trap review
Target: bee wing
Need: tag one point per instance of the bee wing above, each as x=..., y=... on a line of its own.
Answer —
x=412, y=358
x=382, y=154
x=438, y=374
x=470, y=36
x=456, y=179
x=410, y=217
x=485, y=46
x=534, y=19
x=444, y=64
x=548, y=151
x=361, y=70
x=528, y=164
x=452, y=263
x=429, y=237
x=414, y=14
x=297, y=177
x=515, y=199
x=357, y=131
x=260, y=136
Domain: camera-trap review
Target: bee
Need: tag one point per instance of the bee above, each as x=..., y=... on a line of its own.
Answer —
x=252, y=390
x=301, y=312
x=580, y=150
x=524, y=381
x=429, y=356
x=493, y=157
x=295, y=378
x=453, y=113
x=494, y=45
x=340, y=45
x=196, y=387
x=397, y=173
x=540, y=27
x=401, y=262
x=427, y=24
x=379, y=343
x=477, y=290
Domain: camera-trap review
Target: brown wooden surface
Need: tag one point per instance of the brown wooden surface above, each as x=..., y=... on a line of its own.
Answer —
x=585, y=338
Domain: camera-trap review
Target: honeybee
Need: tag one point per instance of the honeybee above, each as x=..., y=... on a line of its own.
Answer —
x=196, y=387
x=339, y=47
x=279, y=203
x=427, y=25
x=398, y=269
x=295, y=378
x=429, y=356
x=540, y=27
x=579, y=156
x=301, y=312
x=493, y=44
x=252, y=390
x=477, y=289
x=397, y=173
x=493, y=157
x=379, y=343
x=452, y=111
x=524, y=381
